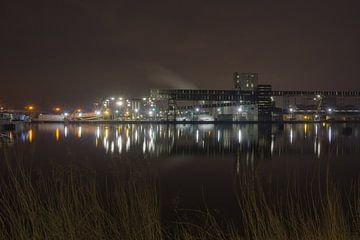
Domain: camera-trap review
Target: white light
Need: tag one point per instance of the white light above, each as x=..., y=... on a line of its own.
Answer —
x=119, y=103
x=219, y=109
x=240, y=109
x=150, y=113
x=144, y=99
x=197, y=109
x=116, y=111
x=330, y=110
x=136, y=110
x=80, y=114
x=66, y=114
x=120, y=98
x=291, y=110
x=112, y=98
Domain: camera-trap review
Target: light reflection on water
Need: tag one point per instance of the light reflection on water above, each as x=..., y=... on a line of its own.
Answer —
x=244, y=140
x=194, y=159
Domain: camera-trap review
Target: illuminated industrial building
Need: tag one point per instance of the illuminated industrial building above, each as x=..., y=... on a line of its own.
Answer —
x=249, y=101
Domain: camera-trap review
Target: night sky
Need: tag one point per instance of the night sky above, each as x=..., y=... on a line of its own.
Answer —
x=71, y=52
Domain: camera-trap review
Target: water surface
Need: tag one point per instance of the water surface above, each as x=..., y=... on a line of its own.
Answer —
x=198, y=164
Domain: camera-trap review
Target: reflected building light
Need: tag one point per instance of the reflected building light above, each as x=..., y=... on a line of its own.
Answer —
x=316, y=130
x=197, y=136
x=151, y=146
x=65, y=131
x=136, y=135
x=319, y=149
x=330, y=134
x=218, y=135
x=98, y=132
x=30, y=134
x=79, y=132
x=240, y=136
x=106, y=133
x=272, y=144
x=106, y=144
x=119, y=143
x=306, y=127
x=315, y=146
x=151, y=133
x=104, y=141
x=57, y=134
x=96, y=142
x=23, y=137
x=144, y=145
x=291, y=135
x=128, y=143
x=112, y=146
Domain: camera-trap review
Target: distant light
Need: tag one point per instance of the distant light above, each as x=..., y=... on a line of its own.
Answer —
x=97, y=113
x=197, y=109
x=240, y=109
x=150, y=113
x=330, y=110
x=219, y=109
x=119, y=103
x=144, y=99
x=112, y=98
x=30, y=108
x=66, y=114
x=105, y=104
x=78, y=110
x=57, y=109
x=80, y=114
x=136, y=110
x=116, y=111
x=291, y=110
x=120, y=98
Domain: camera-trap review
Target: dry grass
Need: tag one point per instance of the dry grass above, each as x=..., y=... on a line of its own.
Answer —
x=68, y=203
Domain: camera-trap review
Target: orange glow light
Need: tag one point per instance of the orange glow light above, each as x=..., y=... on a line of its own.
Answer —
x=57, y=134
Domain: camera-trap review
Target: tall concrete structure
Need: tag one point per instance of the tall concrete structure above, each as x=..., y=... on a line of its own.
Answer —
x=245, y=81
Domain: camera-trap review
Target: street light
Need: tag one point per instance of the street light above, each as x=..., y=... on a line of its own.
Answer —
x=30, y=108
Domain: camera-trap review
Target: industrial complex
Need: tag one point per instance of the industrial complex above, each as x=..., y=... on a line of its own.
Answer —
x=248, y=101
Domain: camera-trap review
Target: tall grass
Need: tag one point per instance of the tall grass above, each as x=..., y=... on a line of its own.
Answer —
x=73, y=203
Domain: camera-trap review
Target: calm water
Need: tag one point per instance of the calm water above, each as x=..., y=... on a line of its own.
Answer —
x=197, y=162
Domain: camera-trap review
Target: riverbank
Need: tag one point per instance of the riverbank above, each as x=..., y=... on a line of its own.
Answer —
x=77, y=203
